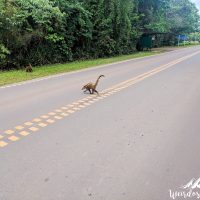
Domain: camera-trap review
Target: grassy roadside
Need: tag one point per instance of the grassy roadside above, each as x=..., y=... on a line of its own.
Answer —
x=20, y=75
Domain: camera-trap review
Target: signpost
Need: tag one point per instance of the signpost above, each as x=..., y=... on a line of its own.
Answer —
x=182, y=38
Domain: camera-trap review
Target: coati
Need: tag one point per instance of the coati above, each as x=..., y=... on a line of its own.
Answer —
x=29, y=68
x=91, y=87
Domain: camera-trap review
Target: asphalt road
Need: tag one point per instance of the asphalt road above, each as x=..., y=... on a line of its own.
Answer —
x=138, y=140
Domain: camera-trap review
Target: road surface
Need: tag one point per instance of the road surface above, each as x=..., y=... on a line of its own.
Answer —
x=137, y=140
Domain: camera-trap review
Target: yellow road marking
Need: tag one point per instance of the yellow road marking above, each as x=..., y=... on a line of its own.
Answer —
x=13, y=138
x=37, y=120
x=81, y=106
x=44, y=116
x=58, y=117
x=81, y=101
x=111, y=92
x=19, y=127
x=52, y=113
x=24, y=133
x=9, y=132
x=33, y=129
x=70, y=111
x=64, y=114
x=76, y=108
x=28, y=123
x=51, y=121
x=73, y=107
x=3, y=144
x=42, y=124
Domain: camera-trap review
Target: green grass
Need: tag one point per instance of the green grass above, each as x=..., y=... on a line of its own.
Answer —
x=15, y=76
x=188, y=43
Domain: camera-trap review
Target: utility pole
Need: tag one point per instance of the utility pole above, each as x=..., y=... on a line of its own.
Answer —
x=179, y=40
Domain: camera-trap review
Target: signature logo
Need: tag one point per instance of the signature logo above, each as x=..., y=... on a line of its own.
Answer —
x=188, y=191
x=193, y=184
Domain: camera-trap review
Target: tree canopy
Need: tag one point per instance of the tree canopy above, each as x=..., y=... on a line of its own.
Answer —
x=51, y=31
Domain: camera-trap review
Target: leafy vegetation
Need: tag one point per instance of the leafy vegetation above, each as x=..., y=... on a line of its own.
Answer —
x=56, y=31
x=194, y=37
x=13, y=76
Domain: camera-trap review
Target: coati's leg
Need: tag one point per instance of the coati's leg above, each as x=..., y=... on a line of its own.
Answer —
x=95, y=91
x=87, y=89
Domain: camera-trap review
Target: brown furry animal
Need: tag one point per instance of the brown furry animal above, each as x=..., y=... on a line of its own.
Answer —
x=91, y=87
x=29, y=68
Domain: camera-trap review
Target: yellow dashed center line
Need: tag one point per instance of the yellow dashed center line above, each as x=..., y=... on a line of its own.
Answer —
x=34, y=129
x=52, y=113
x=81, y=106
x=36, y=124
x=51, y=121
x=58, y=110
x=42, y=125
x=76, y=108
x=19, y=127
x=45, y=116
x=28, y=123
x=70, y=111
x=3, y=144
x=81, y=101
x=24, y=133
x=58, y=117
x=9, y=132
x=13, y=138
x=64, y=114
x=36, y=120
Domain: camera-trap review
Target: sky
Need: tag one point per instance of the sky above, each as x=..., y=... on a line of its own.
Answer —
x=197, y=2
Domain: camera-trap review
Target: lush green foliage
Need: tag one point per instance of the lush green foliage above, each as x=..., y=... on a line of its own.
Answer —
x=14, y=76
x=194, y=37
x=55, y=31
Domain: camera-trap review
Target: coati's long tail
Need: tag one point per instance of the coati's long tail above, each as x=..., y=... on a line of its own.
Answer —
x=97, y=81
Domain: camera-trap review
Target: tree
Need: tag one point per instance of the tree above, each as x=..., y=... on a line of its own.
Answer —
x=55, y=31
x=182, y=17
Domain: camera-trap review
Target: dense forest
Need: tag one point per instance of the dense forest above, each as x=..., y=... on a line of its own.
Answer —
x=55, y=31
